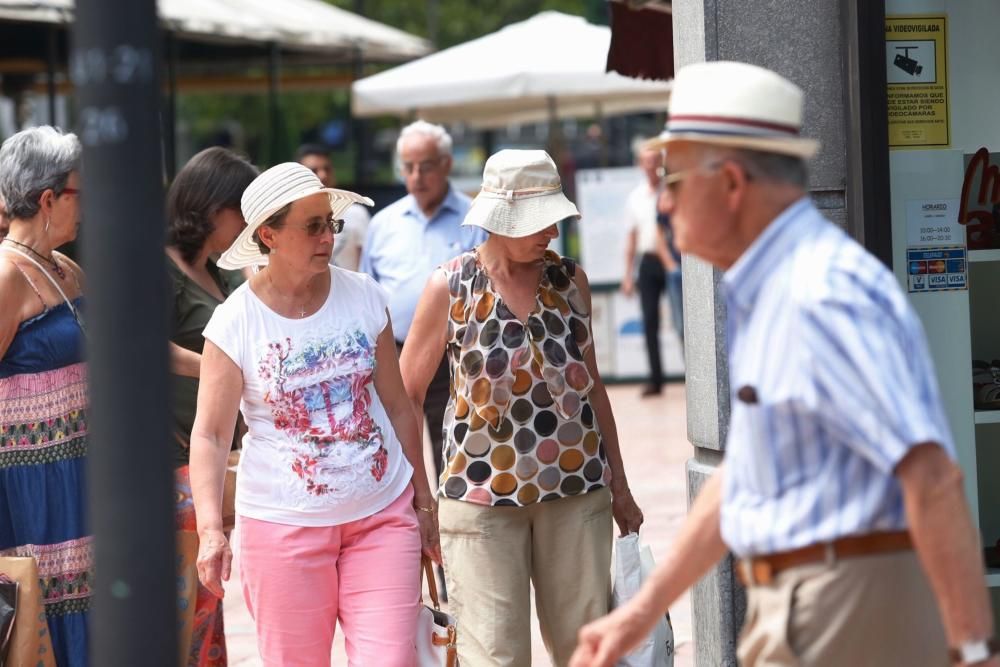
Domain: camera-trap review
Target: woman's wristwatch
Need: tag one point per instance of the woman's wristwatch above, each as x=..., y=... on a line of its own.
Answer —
x=973, y=652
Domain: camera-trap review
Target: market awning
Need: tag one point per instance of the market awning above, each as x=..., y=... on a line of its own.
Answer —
x=303, y=25
x=550, y=66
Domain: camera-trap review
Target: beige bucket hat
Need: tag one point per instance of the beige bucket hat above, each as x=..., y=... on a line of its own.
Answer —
x=280, y=185
x=738, y=105
x=521, y=195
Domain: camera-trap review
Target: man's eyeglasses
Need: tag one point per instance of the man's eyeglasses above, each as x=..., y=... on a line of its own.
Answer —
x=673, y=179
x=422, y=168
x=70, y=191
x=317, y=226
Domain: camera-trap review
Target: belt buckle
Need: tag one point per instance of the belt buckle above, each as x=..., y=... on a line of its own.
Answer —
x=757, y=572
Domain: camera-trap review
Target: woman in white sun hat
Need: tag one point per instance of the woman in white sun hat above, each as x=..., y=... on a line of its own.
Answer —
x=533, y=472
x=332, y=469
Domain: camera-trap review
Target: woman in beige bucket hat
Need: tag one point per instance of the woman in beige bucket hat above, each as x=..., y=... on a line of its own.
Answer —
x=533, y=472
x=332, y=500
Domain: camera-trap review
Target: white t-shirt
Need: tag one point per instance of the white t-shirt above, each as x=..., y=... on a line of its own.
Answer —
x=640, y=209
x=320, y=449
x=347, y=244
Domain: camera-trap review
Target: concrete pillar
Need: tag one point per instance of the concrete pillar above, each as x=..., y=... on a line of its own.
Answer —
x=803, y=42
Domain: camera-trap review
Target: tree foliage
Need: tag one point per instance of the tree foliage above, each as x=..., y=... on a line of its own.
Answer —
x=450, y=22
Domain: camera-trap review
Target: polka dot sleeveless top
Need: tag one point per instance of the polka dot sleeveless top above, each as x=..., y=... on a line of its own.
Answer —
x=519, y=427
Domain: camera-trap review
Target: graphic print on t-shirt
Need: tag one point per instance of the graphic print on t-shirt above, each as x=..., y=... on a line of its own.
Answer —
x=319, y=397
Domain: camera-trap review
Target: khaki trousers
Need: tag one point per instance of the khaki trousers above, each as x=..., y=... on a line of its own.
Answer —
x=875, y=611
x=491, y=554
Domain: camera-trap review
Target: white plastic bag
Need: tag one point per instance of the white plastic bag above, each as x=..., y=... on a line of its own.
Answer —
x=632, y=565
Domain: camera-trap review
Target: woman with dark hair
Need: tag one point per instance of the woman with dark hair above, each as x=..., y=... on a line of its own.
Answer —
x=203, y=219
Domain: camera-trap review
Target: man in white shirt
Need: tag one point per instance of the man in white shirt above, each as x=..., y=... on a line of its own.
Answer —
x=347, y=246
x=643, y=240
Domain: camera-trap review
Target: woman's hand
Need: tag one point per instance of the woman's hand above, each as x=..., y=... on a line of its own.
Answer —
x=430, y=542
x=627, y=514
x=215, y=560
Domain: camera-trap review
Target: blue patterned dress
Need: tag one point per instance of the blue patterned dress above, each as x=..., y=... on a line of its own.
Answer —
x=43, y=449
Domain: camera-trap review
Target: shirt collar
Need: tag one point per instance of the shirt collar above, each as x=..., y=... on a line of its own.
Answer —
x=450, y=202
x=744, y=279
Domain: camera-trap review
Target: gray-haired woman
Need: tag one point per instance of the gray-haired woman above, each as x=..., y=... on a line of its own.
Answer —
x=43, y=390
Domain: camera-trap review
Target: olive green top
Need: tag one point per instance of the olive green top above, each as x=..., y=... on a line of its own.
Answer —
x=192, y=308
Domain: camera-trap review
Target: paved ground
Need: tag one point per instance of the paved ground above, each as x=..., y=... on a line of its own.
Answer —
x=652, y=432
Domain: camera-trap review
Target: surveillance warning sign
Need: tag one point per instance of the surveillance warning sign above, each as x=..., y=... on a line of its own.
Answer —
x=917, y=74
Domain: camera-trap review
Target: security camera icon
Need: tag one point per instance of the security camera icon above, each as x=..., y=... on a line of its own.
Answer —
x=904, y=62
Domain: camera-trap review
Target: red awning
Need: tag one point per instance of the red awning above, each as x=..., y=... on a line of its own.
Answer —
x=642, y=39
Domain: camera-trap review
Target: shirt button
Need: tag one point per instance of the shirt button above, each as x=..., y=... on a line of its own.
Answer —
x=747, y=394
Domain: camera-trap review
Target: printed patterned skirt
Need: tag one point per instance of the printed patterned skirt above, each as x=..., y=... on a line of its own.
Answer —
x=43, y=448
x=201, y=633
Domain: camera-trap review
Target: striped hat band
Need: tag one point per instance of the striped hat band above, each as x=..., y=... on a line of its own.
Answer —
x=729, y=126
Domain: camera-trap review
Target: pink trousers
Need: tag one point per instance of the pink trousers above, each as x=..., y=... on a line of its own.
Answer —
x=298, y=581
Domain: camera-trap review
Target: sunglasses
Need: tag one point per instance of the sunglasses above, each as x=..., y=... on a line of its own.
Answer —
x=317, y=226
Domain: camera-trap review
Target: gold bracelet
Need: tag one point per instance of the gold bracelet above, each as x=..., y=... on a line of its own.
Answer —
x=429, y=510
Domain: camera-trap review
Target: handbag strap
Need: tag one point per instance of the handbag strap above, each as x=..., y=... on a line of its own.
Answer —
x=72, y=308
x=427, y=572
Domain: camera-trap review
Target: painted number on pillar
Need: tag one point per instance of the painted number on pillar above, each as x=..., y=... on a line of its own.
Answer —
x=124, y=65
x=99, y=127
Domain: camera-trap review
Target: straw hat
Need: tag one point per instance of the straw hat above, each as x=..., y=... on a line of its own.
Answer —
x=268, y=193
x=521, y=195
x=738, y=105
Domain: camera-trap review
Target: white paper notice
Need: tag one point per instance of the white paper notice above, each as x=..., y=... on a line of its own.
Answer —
x=933, y=222
x=601, y=195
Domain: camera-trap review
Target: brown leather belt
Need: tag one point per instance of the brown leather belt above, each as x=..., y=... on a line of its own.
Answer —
x=761, y=570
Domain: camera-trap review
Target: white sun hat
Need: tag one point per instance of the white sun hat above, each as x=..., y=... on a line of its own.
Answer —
x=521, y=195
x=738, y=105
x=272, y=190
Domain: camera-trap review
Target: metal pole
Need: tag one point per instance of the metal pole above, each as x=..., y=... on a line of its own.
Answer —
x=51, y=60
x=489, y=142
x=170, y=109
x=600, y=120
x=130, y=485
x=274, y=100
x=358, y=125
x=433, y=16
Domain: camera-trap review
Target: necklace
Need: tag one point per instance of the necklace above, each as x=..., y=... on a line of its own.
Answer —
x=49, y=261
x=302, y=308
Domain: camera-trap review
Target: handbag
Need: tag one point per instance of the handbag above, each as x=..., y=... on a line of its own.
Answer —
x=30, y=644
x=437, y=631
x=8, y=614
x=633, y=565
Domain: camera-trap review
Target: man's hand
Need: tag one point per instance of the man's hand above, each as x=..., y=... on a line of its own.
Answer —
x=603, y=642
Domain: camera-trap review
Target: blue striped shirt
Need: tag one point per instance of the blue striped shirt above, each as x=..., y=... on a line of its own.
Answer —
x=832, y=384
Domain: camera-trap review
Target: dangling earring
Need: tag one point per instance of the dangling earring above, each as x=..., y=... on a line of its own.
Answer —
x=48, y=221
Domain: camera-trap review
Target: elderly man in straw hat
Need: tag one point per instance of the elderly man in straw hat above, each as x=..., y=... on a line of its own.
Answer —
x=839, y=494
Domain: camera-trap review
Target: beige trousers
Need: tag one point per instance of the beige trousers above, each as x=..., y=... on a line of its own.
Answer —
x=492, y=555
x=872, y=611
